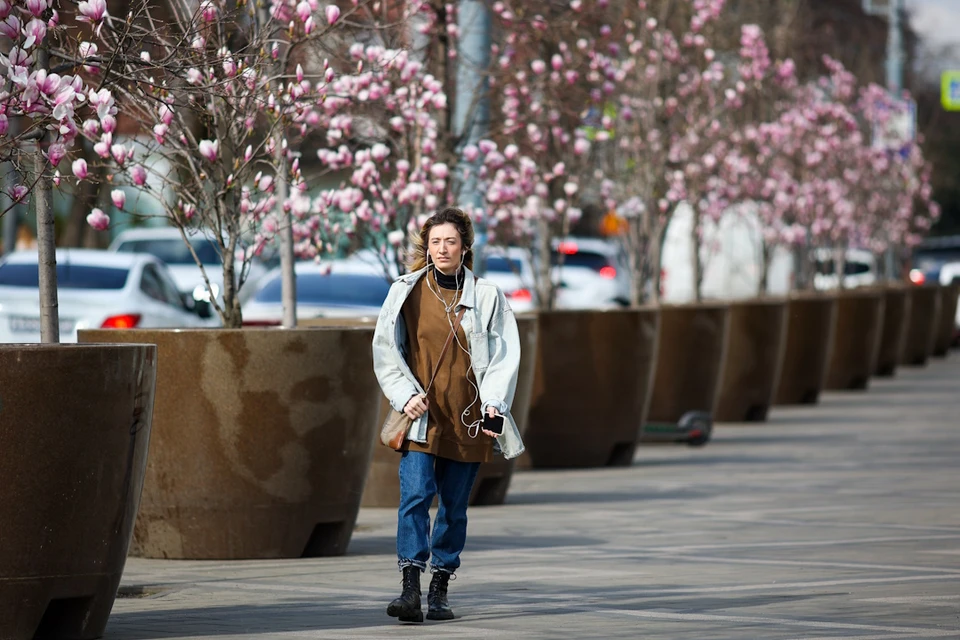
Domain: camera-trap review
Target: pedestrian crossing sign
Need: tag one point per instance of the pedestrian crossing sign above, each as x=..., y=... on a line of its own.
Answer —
x=950, y=94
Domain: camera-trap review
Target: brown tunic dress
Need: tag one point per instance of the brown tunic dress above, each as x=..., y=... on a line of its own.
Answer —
x=452, y=392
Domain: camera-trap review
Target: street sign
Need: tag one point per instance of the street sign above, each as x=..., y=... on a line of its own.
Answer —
x=900, y=130
x=950, y=90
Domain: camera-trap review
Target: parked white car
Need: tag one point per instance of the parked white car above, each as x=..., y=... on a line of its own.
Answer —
x=587, y=272
x=860, y=269
x=336, y=289
x=591, y=273
x=509, y=268
x=96, y=289
x=167, y=244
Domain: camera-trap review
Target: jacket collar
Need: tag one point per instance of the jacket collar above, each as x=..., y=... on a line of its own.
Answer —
x=469, y=296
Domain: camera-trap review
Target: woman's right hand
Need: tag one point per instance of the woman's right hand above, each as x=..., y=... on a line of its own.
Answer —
x=416, y=407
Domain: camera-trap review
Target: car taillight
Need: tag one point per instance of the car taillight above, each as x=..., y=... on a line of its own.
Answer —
x=520, y=295
x=608, y=272
x=122, y=321
x=917, y=277
x=568, y=248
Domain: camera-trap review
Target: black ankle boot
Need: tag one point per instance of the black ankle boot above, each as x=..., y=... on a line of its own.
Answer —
x=437, y=597
x=407, y=606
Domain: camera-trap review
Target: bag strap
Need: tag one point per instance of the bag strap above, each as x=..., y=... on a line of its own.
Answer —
x=446, y=347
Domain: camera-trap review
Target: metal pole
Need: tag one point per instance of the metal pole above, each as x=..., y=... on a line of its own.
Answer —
x=471, y=115
x=895, y=53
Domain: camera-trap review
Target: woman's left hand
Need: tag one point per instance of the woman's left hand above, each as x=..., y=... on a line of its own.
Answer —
x=491, y=412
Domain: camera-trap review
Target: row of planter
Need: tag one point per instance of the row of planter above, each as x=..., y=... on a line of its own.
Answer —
x=263, y=441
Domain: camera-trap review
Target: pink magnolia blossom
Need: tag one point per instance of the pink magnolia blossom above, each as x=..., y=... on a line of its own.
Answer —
x=98, y=220
x=80, y=168
x=118, y=197
x=209, y=149
x=139, y=175
x=333, y=13
x=92, y=10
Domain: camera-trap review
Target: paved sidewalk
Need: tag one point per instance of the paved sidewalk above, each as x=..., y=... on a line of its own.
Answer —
x=834, y=521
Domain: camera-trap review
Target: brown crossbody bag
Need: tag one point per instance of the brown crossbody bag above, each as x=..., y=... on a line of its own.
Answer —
x=397, y=425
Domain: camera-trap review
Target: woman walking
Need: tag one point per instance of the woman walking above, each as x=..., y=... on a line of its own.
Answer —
x=455, y=424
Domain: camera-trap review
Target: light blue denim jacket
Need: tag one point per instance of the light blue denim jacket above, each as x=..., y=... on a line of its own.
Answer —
x=494, y=345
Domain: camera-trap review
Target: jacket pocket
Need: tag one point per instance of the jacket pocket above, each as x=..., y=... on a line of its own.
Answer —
x=480, y=351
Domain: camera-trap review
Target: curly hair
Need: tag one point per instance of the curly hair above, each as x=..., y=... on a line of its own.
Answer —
x=419, y=240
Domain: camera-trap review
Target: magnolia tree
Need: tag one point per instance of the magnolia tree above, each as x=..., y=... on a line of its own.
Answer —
x=673, y=126
x=554, y=78
x=383, y=134
x=224, y=96
x=815, y=180
x=44, y=99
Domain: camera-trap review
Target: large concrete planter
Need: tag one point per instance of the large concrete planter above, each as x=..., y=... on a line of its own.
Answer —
x=859, y=328
x=262, y=440
x=925, y=307
x=74, y=430
x=592, y=387
x=690, y=363
x=758, y=331
x=947, y=324
x=493, y=480
x=896, y=321
x=811, y=324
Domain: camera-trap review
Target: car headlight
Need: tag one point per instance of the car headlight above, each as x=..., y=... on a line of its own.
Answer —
x=200, y=293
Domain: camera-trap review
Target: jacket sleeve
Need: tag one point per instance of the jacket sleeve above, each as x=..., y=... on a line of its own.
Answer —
x=500, y=379
x=386, y=353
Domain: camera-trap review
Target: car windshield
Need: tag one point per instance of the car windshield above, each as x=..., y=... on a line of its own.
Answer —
x=342, y=289
x=173, y=250
x=931, y=258
x=501, y=264
x=68, y=276
x=587, y=259
x=850, y=267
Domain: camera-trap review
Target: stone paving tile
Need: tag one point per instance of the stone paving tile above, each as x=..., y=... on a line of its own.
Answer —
x=838, y=521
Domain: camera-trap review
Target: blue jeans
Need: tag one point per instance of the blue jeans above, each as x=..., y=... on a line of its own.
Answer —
x=422, y=476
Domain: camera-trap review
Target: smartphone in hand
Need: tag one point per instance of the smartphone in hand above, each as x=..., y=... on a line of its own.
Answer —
x=493, y=424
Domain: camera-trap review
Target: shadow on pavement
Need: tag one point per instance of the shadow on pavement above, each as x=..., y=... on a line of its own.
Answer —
x=387, y=545
x=318, y=613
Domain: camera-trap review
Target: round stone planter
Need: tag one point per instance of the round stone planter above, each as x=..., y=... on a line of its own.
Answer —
x=896, y=321
x=758, y=331
x=262, y=440
x=925, y=306
x=690, y=363
x=811, y=324
x=591, y=388
x=493, y=480
x=859, y=328
x=75, y=425
x=947, y=323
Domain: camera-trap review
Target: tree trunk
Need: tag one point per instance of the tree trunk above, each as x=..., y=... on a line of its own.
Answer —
x=288, y=287
x=695, y=262
x=840, y=266
x=544, y=284
x=763, y=287
x=656, y=271
x=46, y=235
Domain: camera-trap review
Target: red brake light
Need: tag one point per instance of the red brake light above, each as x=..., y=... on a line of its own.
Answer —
x=608, y=272
x=917, y=277
x=568, y=248
x=521, y=295
x=122, y=321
